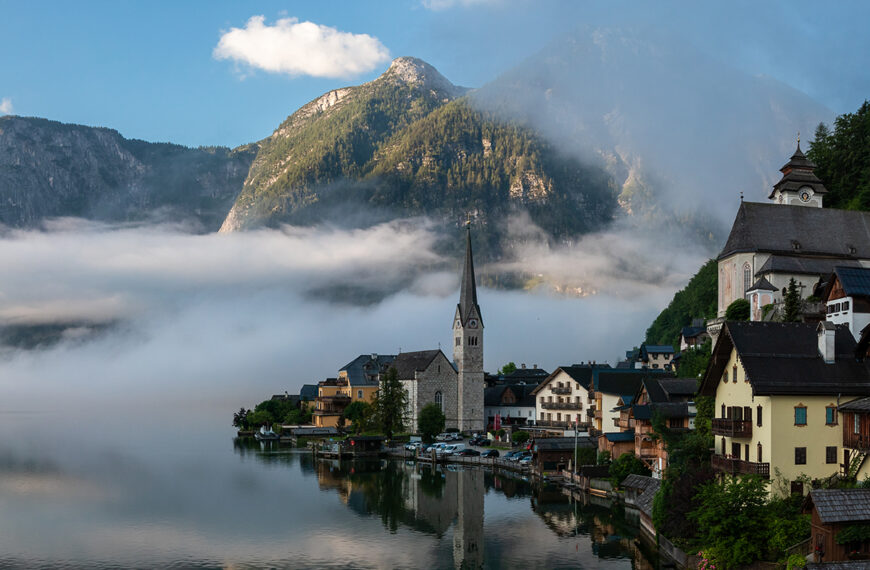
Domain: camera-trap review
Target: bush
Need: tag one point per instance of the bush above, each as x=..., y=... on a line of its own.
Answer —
x=625, y=465
x=738, y=311
x=520, y=437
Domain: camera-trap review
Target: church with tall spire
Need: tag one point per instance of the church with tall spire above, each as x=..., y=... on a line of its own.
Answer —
x=468, y=347
x=456, y=387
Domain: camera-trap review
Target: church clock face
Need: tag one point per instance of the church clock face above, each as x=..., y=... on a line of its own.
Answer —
x=472, y=323
x=805, y=194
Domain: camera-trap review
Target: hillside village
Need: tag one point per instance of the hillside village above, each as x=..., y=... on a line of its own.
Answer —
x=784, y=398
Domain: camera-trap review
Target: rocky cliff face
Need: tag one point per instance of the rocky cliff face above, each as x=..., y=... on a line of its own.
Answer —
x=50, y=169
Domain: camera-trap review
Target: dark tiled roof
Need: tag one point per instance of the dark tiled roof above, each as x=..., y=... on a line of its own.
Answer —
x=855, y=280
x=776, y=228
x=672, y=409
x=622, y=382
x=802, y=265
x=641, y=412
x=678, y=387
x=308, y=392
x=492, y=397
x=581, y=373
x=692, y=332
x=363, y=370
x=763, y=284
x=407, y=363
x=527, y=375
x=841, y=505
x=647, y=487
x=561, y=443
x=617, y=436
x=783, y=358
x=797, y=173
x=859, y=405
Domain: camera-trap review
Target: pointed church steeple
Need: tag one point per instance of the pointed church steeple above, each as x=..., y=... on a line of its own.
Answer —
x=468, y=306
x=799, y=186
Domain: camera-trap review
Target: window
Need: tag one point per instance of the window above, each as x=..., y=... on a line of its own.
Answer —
x=723, y=446
x=359, y=394
x=459, y=341
x=542, y=416
x=723, y=410
x=831, y=415
x=675, y=422
x=758, y=454
x=800, y=455
x=725, y=377
x=846, y=306
x=831, y=454
x=734, y=374
x=747, y=415
x=758, y=416
x=856, y=423
x=439, y=401
x=800, y=415
x=747, y=277
x=746, y=452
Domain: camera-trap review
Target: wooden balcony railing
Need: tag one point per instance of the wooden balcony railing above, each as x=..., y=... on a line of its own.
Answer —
x=732, y=428
x=561, y=389
x=562, y=405
x=856, y=441
x=739, y=467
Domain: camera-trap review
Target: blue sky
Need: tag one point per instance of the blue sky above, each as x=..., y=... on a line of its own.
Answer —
x=151, y=69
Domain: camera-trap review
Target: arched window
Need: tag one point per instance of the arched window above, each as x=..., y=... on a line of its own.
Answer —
x=438, y=401
x=747, y=277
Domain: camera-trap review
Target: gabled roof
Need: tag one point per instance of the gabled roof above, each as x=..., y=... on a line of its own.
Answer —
x=580, y=373
x=841, y=505
x=777, y=228
x=859, y=405
x=678, y=387
x=621, y=382
x=527, y=375
x=854, y=280
x=647, y=487
x=672, y=410
x=692, y=332
x=308, y=392
x=762, y=284
x=645, y=349
x=783, y=358
x=365, y=368
x=408, y=363
x=803, y=265
x=620, y=436
x=492, y=397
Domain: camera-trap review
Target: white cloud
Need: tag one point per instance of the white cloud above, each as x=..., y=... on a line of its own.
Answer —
x=5, y=106
x=301, y=48
x=437, y=5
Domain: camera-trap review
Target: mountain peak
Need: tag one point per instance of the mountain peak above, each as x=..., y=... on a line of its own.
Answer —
x=417, y=72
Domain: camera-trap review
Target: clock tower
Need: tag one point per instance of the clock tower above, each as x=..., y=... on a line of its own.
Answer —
x=799, y=186
x=468, y=348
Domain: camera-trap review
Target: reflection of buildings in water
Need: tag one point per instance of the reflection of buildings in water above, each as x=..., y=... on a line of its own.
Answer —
x=267, y=452
x=425, y=498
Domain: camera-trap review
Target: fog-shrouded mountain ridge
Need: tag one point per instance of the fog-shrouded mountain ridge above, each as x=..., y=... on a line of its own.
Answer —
x=50, y=169
x=409, y=144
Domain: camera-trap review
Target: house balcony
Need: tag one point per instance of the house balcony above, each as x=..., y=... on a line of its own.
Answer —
x=590, y=411
x=331, y=405
x=646, y=451
x=561, y=390
x=562, y=405
x=732, y=428
x=856, y=441
x=597, y=414
x=565, y=425
x=739, y=467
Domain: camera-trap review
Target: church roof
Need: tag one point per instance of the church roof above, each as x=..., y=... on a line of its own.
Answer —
x=803, y=265
x=784, y=359
x=797, y=173
x=407, y=363
x=799, y=230
x=467, y=288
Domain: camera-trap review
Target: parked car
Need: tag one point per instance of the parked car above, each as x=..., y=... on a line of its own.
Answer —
x=513, y=455
x=444, y=437
x=413, y=445
x=526, y=459
x=451, y=448
x=490, y=453
x=468, y=452
x=456, y=436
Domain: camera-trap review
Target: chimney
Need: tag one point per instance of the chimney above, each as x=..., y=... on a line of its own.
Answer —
x=523, y=365
x=827, y=333
x=534, y=366
x=374, y=356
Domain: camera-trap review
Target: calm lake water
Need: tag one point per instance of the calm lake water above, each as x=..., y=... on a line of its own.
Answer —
x=81, y=497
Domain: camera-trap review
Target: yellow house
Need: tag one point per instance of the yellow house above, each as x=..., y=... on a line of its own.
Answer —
x=357, y=381
x=777, y=387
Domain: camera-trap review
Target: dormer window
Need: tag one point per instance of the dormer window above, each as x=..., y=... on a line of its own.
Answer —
x=795, y=245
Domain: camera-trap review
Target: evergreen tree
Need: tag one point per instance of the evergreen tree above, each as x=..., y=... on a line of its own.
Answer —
x=390, y=404
x=842, y=157
x=792, y=303
x=431, y=422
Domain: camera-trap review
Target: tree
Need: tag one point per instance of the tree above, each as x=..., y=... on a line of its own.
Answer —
x=697, y=300
x=391, y=401
x=507, y=369
x=520, y=437
x=431, y=422
x=731, y=519
x=738, y=310
x=358, y=413
x=693, y=362
x=842, y=157
x=792, y=303
x=240, y=419
x=625, y=465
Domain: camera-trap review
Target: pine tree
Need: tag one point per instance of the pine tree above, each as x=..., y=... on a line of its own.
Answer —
x=792, y=303
x=390, y=404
